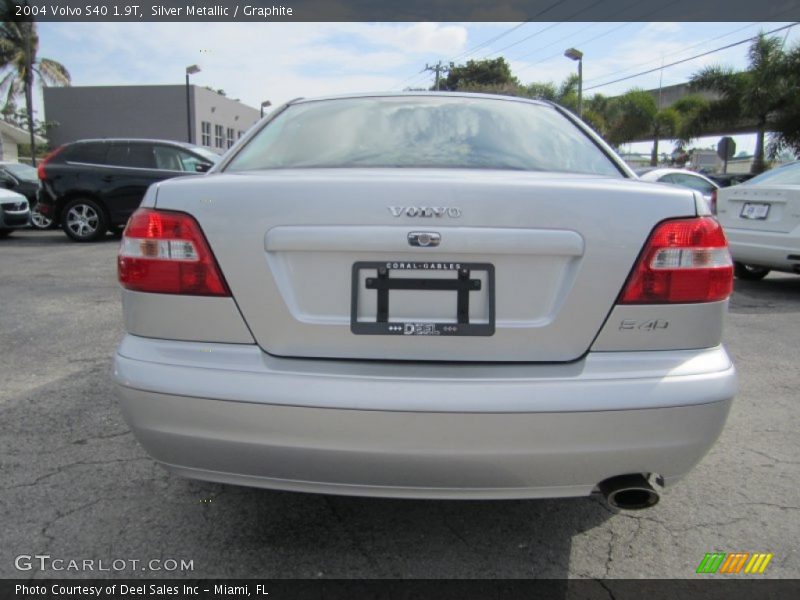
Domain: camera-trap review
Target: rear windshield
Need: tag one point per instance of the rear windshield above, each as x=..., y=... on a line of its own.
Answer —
x=790, y=174
x=418, y=132
x=24, y=172
x=84, y=152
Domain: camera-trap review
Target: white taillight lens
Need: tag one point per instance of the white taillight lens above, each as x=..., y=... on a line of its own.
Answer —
x=165, y=252
x=159, y=249
x=691, y=258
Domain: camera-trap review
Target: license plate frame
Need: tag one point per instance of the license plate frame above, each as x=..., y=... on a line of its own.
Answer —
x=755, y=211
x=462, y=286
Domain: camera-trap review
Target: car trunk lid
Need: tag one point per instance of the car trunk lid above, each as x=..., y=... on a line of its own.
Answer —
x=303, y=252
x=773, y=208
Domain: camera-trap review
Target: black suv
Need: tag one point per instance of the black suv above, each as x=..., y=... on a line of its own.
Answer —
x=93, y=186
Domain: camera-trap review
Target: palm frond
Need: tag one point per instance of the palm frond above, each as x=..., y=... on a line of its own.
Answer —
x=52, y=72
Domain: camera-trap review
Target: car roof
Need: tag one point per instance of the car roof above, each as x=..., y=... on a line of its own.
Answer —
x=143, y=140
x=410, y=94
x=667, y=170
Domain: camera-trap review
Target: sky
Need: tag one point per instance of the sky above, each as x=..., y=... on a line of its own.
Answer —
x=280, y=61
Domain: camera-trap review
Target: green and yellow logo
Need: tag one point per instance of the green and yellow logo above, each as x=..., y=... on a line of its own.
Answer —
x=736, y=562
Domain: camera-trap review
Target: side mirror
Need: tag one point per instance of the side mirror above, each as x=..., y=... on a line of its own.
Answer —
x=202, y=167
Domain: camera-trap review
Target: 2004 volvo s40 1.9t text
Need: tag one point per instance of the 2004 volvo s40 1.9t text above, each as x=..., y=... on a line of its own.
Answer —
x=425, y=295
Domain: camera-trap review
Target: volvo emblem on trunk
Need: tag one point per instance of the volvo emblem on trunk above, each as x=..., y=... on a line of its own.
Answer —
x=424, y=239
x=425, y=211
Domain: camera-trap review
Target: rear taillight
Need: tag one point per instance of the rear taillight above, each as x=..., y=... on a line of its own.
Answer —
x=40, y=170
x=713, y=202
x=165, y=252
x=685, y=260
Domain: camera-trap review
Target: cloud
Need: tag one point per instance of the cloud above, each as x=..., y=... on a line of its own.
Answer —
x=251, y=61
x=280, y=61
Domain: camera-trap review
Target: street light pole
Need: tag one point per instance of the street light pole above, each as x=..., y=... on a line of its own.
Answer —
x=190, y=70
x=577, y=55
x=264, y=104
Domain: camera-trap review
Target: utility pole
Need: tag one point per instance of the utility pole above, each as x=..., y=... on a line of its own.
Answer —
x=437, y=68
x=29, y=88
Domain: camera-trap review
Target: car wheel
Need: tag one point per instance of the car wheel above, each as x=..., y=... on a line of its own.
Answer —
x=749, y=272
x=5, y=232
x=39, y=221
x=84, y=220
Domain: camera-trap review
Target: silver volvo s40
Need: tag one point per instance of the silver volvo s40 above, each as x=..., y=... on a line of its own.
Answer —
x=425, y=295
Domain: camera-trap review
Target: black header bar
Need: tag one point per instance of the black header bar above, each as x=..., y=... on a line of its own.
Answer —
x=402, y=10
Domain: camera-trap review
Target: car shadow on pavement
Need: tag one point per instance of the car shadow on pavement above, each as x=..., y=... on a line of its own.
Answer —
x=778, y=293
x=337, y=536
x=51, y=237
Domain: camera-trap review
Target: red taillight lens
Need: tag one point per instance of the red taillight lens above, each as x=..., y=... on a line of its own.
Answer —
x=685, y=260
x=165, y=252
x=40, y=169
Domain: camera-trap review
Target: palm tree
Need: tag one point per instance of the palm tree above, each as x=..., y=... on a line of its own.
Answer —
x=785, y=123
x=21, y=68
x=751, y=95
x=637, y=116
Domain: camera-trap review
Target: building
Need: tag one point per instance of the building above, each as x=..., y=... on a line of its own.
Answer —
x=146, y=111
x=11, y=137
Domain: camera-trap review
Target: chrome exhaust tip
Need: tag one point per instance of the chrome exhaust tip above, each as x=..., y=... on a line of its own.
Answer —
x=629, y=492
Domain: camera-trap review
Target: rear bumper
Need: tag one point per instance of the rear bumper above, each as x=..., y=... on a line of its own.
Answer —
x=765, y=248
x=405, y=430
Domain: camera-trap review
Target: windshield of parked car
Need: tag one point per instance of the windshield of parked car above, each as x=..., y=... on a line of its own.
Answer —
x=23, y=172
x=419, y=132
x=789, y=174
x=212, y=156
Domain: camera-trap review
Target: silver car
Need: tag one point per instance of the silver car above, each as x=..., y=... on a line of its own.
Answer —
x=425, y=295
x=15, y=213
x=684, y=178
x=762, y=218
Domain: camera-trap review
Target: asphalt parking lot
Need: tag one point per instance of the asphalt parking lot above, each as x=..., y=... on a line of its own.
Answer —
x=76, y=485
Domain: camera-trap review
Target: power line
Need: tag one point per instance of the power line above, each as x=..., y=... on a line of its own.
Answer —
x=486, y=42
x=650, y=62
x=409, y=79
x=678, y=62
x=572, y=16
x=489, y=41
x=557, y=54
x=605, y=33
x=505, y=33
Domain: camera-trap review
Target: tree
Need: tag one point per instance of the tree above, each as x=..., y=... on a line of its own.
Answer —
x=541, y=91
x=599, y=111
x=596, y=109
x=565, y=94
x=20, y=68
x=479, y=75
x=637, y=116
x=751, y=95
x=786, y=119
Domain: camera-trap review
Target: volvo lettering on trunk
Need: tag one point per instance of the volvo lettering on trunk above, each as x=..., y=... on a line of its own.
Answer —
x=426, y=211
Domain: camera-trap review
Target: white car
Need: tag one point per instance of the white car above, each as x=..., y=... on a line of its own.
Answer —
x=683, y=178
x=761, y=218
x=425, y=295
x=15, y=213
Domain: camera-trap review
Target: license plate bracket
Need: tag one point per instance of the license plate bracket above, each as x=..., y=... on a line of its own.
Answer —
x=755, y=211
x=469, y=278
